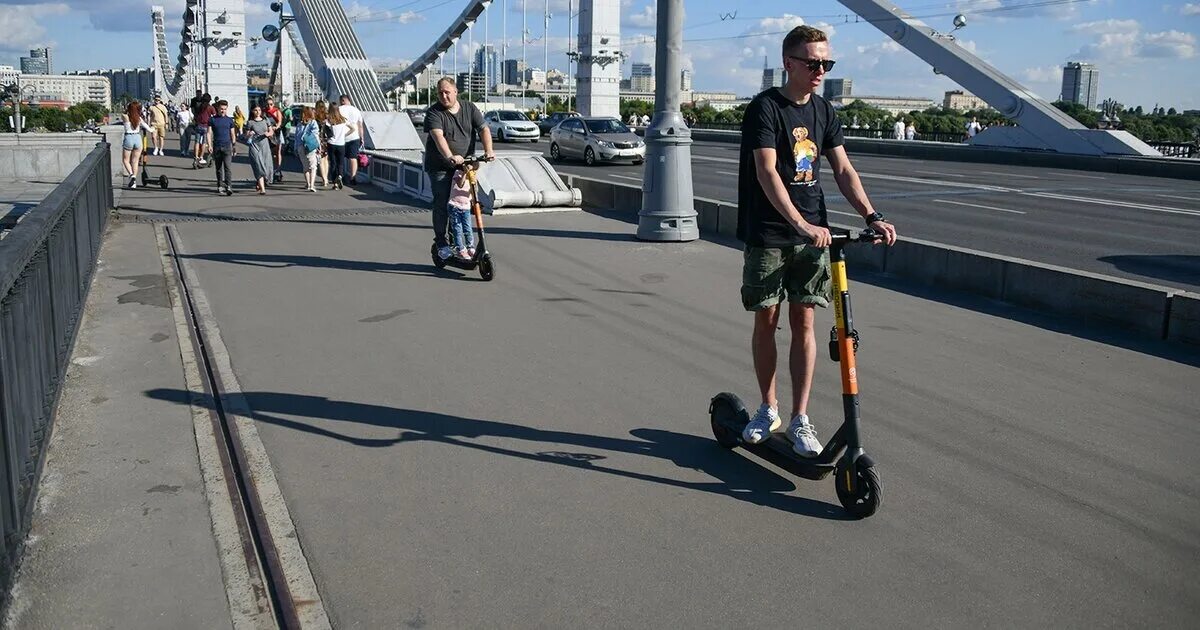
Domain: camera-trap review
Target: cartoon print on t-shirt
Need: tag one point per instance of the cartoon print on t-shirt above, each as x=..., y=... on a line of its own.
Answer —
x=805, y=151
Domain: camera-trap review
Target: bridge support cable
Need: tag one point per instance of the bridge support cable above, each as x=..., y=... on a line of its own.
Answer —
x=1041, y=125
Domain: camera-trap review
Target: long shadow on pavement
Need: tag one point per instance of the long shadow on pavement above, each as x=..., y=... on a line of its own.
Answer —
x=738, y=477
x=1181, y=268
x=282, y=261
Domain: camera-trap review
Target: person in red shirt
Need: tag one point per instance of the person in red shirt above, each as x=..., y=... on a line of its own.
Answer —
x=204, y=112
x=273, y=113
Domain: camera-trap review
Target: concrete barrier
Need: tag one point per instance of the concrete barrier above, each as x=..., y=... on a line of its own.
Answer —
x=1184, y=322
x=1091, y=299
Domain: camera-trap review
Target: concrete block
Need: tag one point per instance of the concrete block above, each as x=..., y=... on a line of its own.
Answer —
x=627, y=198
x=943, y=266
x=8, y=165
x=23, y=164
x=1184, y=322
x=727, y=220
x=708, y=213
x=596, y=194
x=1092, y=299
x=869, y=257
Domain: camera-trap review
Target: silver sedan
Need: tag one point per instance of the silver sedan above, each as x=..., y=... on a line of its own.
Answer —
x=596, y=140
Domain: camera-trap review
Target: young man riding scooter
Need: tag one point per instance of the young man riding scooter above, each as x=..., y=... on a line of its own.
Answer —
x=785, y=228
x=452, y=125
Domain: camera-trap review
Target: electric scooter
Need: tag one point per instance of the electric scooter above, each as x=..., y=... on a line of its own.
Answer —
x=162, y=180
x=482, y=258
x=856, y=480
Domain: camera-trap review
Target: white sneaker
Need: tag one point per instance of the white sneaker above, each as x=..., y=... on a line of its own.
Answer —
x=804, y=437
x=765, y=420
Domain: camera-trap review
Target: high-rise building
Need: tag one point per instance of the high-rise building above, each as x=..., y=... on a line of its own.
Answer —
x=641, y=77
x=772, y=77
x=535, y=78
x=1080, y=84
x=514, y=71
x=837, y=87
x=39, y=61
x=487, y=63
x=472, y=84
x=685, y=80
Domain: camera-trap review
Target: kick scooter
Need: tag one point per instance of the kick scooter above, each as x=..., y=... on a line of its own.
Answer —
x=856, y=480
x=482, y=258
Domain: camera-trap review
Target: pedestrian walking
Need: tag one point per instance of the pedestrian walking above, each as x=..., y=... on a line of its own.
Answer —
x=203, y=113
x=973, y=127
x=321, y=115
x=898, y=129
x=258, y=133
x=132, y=141
x=338, y=130
x=159, y=118
x=224, y=147
x=239, y=119
x=354, y=119
x=307, y=146
x=183, y=118
x=910, y=131
x=276, y=117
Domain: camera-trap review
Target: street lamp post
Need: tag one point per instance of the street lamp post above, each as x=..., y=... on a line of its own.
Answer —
x=668, y=207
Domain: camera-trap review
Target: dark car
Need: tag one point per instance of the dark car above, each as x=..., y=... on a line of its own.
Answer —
x=551, y=121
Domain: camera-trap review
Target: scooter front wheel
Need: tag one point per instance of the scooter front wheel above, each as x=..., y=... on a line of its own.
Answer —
x=724, y=411
x=487, y=269
x=437, y=260
x=867, y=495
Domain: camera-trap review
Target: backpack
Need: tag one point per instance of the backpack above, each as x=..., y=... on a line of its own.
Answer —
x=310, y=139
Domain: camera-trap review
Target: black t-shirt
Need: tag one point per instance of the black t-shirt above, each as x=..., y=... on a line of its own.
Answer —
x=460, y=130
x=198, y=104
x=799, y=134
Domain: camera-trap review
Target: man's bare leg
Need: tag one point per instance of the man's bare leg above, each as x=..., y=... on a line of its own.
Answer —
x=803, y=355
x=766, y=356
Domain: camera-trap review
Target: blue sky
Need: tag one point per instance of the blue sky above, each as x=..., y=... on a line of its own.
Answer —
x=1146, y=50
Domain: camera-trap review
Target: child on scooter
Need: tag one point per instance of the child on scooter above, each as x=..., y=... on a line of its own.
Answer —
x=460, y=215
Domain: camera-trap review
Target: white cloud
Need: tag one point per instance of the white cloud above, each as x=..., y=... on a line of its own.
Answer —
x=1190, y=8
x=1042, y=74
x=1107, y=26
x=22, y=28
x=646, y=18
x=1170, y=44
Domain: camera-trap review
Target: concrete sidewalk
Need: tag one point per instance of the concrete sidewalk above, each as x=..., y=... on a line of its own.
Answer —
x=122, y=536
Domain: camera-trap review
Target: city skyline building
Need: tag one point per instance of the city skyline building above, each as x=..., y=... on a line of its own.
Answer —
x=963, y=101
x=641, y=77
x=837, y=87
x=486, y=62
x=39, y=61
x=1081, y=84
x=514, y=71
x=685, y=80
x=69, y=89
x=772, y=77
x=136, y=83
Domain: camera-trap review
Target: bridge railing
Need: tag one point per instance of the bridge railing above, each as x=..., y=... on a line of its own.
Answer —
x=46, y=266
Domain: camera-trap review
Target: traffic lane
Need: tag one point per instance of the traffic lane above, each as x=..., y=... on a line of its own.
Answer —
x=462, y=453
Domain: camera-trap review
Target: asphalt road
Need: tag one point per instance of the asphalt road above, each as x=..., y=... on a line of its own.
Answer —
x=1141, y=228
x=534, y=451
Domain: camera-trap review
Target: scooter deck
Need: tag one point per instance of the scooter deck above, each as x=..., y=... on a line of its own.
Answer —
x=732, y=420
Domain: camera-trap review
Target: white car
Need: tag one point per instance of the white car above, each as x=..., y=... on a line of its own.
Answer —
x=510, y=126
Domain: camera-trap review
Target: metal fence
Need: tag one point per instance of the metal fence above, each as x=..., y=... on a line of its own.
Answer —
x=46, y=266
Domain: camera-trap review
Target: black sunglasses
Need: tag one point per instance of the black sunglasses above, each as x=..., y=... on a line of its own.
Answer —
x=814, y=64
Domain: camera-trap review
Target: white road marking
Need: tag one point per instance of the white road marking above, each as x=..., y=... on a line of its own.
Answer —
x=714, y=159
x=999, y=174
x=629, y=177
x=727, y=173
x=936, y=182
x=1112, y=203
x=847, y=214
x=1083, y=176
x=1179, y=197
x=937, y=173
x=978, y=205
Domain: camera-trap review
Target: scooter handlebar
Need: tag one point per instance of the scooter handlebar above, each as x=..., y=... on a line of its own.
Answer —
x=867, y=235
x=476, y=160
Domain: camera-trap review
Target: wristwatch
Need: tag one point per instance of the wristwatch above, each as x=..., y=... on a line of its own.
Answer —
x=873, y=217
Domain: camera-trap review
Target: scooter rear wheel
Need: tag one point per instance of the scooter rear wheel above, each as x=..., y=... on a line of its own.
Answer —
x=487, y=270
x=868, y=492
x=163, y=182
